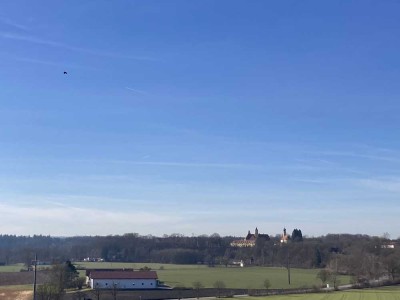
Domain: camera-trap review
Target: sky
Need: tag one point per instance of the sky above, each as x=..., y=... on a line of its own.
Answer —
x=199, y=117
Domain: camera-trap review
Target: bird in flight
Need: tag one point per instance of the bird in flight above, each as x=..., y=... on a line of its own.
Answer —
x=65, y=73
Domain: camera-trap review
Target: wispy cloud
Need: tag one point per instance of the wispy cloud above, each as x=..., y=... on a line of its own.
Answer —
x=13, y=24
x=51, y=63
x=136, y=91
x=383, y=184
x=328, y=166
x=185, y=164
x=312, y=181
x=35, y=40
x=358, y=155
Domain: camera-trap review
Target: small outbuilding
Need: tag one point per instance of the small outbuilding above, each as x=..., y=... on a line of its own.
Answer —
x=123, y=280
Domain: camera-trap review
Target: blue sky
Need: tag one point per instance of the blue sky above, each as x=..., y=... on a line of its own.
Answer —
x=197, y=117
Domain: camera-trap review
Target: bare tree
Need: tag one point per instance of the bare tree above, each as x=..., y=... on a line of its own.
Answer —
x=197, y=285
x=97, y=293
x=219, y=285
x=79, y=295
x=267, y=284
x=324, y=275
x=49, y=292
x=114, y=290
x=392, y=265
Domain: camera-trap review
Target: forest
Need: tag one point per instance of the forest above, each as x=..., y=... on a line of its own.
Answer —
x=360, y=255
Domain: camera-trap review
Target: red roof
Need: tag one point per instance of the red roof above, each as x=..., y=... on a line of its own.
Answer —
x=123, y=275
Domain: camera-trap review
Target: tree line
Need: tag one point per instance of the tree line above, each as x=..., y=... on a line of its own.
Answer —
x=360, y=255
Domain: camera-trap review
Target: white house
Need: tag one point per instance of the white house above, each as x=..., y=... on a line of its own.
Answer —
x=123, y=280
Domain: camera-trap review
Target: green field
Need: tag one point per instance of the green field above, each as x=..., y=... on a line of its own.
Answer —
x=386, y=293
x=234, y=277
x=12, y=268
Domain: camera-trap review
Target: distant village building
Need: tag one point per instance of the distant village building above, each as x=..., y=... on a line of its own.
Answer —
x=41, y=263
x=389, y=245
x=250, y=240
x=93, y=259
x=284, y=237
x=123, y=280
x=238, y=263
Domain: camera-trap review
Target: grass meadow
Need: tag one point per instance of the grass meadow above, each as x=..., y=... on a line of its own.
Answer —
x=386, y=293
x=233, y=277
x=248, y=278
x=12, y=268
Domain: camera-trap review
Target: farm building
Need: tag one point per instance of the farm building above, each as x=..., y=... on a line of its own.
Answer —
x=123, y=280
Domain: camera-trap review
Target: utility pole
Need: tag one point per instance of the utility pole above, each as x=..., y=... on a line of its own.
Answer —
x=34, y=277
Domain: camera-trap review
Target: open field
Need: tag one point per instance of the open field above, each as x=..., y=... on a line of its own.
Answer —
x=234, y=277
x=136, y=266
x=385, y=293
x=11, y=268
x=21, y=278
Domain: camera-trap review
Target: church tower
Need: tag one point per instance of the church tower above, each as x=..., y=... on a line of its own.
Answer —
x=284, y=237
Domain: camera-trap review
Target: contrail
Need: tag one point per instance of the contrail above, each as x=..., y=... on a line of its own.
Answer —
x=136, y=91
x=29, y=39
x=13, y=24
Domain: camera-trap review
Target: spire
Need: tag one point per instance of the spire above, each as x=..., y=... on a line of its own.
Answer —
x=256, y=232
x=284, y=237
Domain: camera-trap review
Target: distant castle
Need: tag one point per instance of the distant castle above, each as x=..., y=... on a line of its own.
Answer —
x=251, y=239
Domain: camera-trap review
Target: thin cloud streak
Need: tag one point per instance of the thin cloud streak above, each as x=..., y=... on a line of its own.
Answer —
x=51, y=63
x=312, y=181
x=389, y=185
x=357, y=155
x=174, y=164
x=185, y=164
x=328, y=166
x=24, y=38
x=11, y=23
x=136, y=91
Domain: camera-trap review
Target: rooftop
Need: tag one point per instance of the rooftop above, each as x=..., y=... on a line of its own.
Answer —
x=123, y=275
